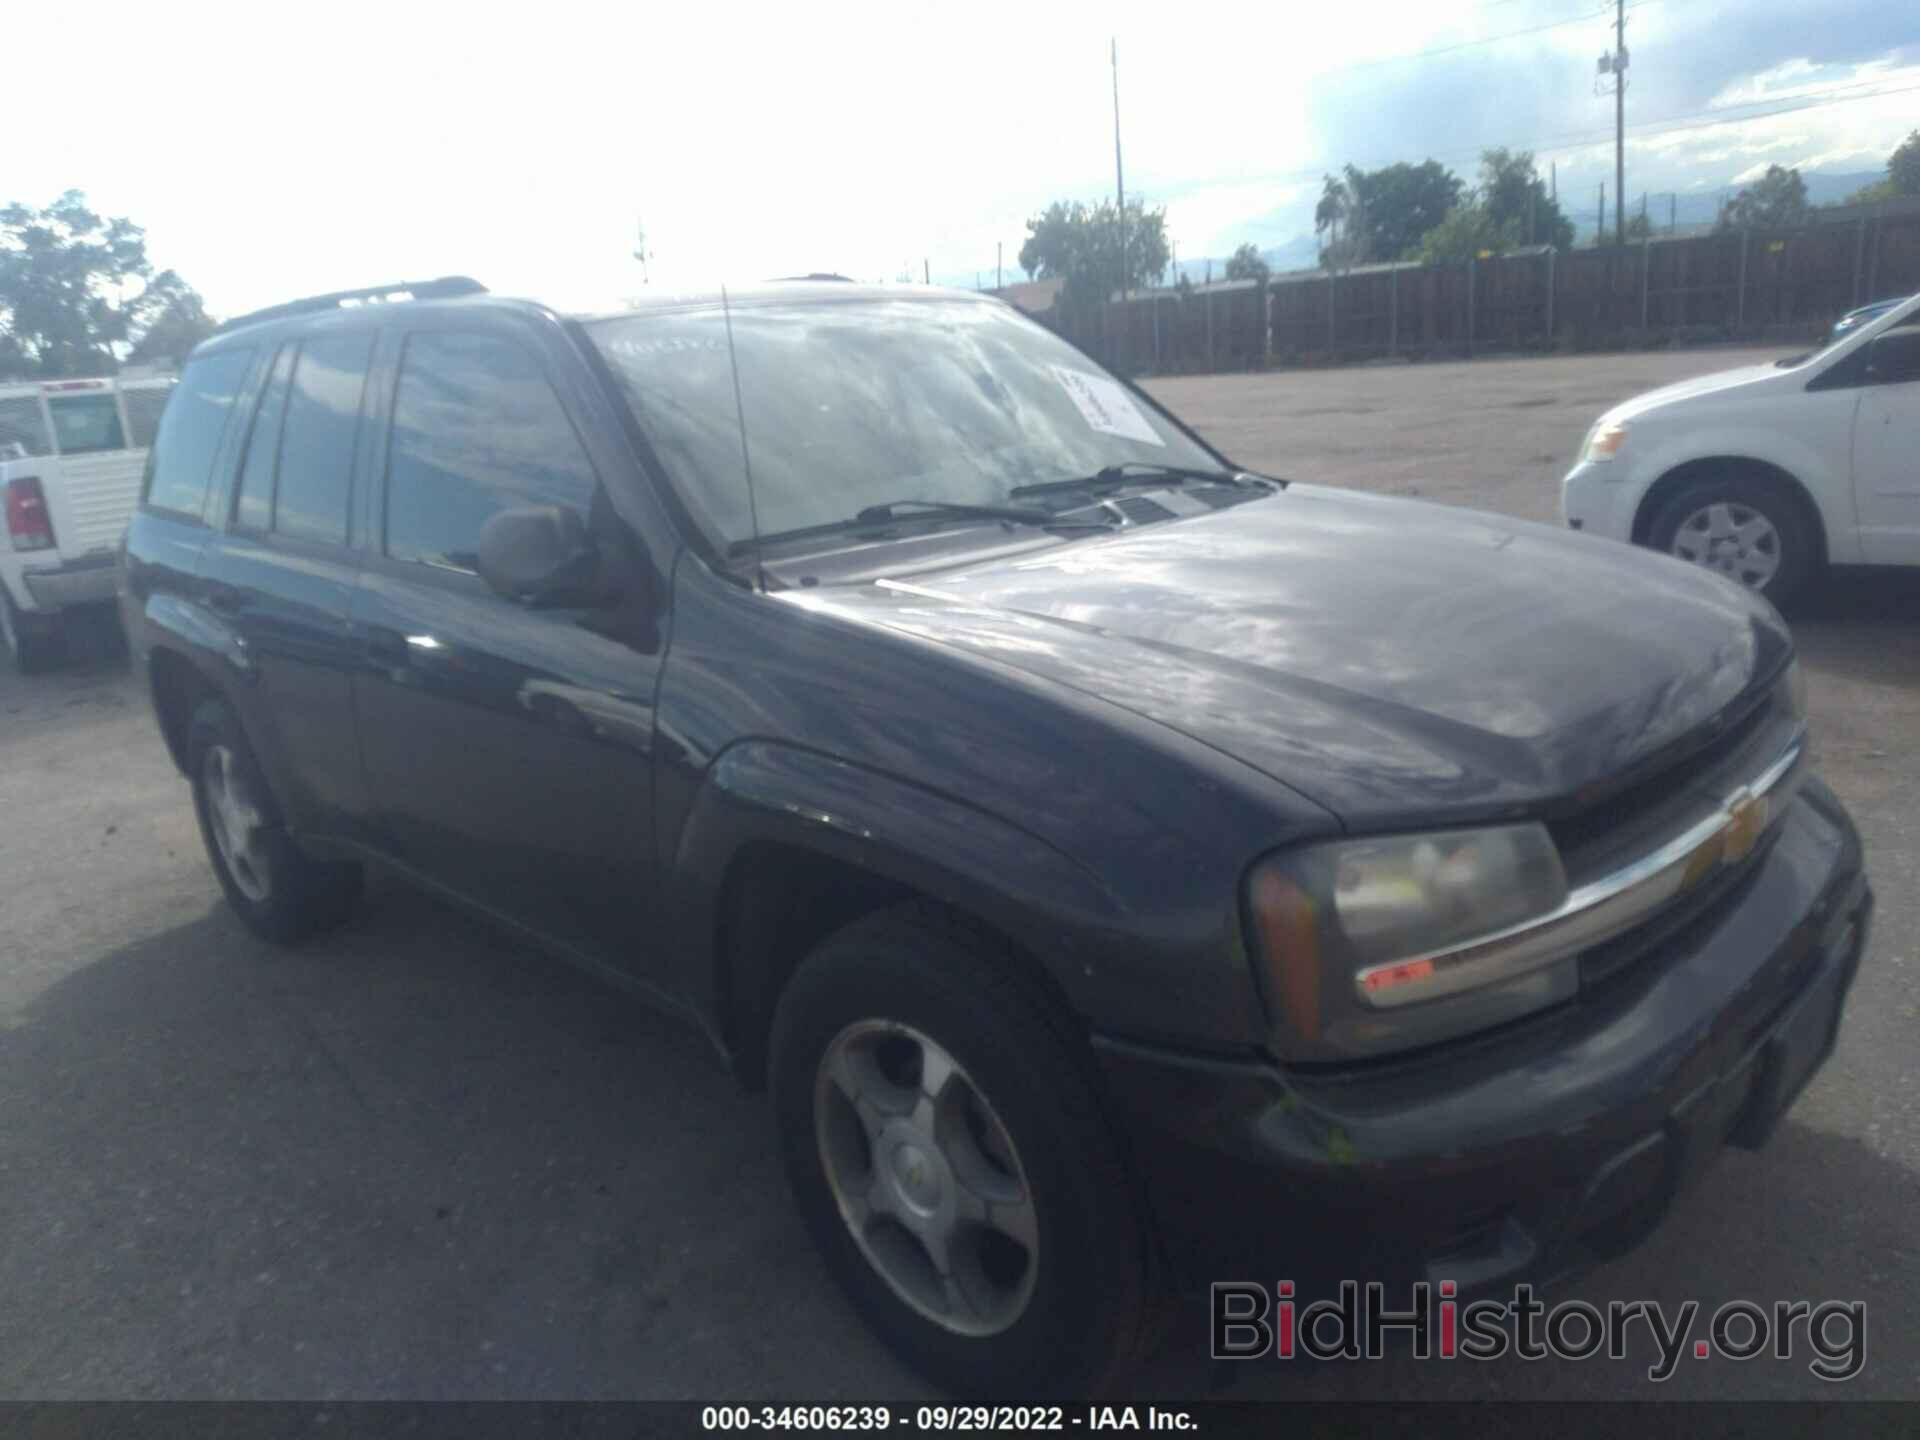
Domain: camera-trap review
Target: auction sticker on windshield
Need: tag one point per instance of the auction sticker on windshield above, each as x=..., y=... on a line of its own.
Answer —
x=1105, y=406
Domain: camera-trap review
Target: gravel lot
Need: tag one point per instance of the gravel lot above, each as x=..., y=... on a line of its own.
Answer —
x=417, y=1161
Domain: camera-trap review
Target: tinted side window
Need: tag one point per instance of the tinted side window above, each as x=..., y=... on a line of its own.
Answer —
x=476, y=429
x=144, y=403
x=191, y=429
x=316, y=438
x=254, y=508
x=86, y=424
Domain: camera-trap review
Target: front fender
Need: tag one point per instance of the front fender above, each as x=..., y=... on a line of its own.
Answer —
x=1117, y=968
x=1810, y=461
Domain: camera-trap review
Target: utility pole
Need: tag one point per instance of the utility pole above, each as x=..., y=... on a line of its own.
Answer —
x=1614, y=63
x=1600, y=230
x=1119, y=176
x=999, y=256
x=926, y=272
x=1673, y=212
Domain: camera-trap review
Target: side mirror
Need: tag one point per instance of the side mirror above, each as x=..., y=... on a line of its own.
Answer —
x=540, y=554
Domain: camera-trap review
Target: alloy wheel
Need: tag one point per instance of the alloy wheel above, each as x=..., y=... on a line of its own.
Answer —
x=1734, y=539
x=926, y=1177
x=237, y=824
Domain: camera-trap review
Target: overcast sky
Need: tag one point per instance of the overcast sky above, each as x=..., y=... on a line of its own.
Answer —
x=272, y=151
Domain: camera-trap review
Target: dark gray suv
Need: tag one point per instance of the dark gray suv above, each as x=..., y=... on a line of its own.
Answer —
x=1124, y=871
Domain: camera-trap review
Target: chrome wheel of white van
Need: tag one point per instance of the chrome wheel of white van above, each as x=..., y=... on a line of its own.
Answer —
x=1735, y=539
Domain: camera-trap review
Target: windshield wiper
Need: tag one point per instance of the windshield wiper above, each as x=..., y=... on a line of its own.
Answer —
x=1134, y=472
x=892, y=510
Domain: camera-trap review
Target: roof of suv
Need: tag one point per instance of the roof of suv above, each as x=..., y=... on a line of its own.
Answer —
x=344, y=306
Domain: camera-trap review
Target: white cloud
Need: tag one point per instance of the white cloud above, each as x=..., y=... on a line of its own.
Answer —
x=271, y=152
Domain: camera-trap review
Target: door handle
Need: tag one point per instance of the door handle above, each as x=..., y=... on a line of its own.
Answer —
x=391, y=647
x=388, y=647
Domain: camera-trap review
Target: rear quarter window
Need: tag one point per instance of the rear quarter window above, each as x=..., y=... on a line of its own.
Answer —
x=23, y=425
x=192, y=428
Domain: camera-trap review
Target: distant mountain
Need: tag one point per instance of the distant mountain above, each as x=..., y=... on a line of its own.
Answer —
x=1700, y=209
x=1300, y=253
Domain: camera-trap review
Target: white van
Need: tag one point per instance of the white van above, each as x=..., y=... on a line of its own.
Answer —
x=72, y=453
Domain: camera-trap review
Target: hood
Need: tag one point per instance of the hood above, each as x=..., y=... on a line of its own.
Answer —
x=1394, y=661
x=1713, y=384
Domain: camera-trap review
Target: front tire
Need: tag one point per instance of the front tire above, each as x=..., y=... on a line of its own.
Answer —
x=949, y=1155
x=1749, y=528
x=280, y=893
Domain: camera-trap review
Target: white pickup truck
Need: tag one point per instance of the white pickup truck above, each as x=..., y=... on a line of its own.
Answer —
x=72, y=453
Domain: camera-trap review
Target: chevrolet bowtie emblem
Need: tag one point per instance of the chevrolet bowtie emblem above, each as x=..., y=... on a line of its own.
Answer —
x=1746, y=818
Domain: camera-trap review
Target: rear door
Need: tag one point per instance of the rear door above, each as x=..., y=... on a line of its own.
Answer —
x=282, y=576
x=1886, y=449
x=507, y=748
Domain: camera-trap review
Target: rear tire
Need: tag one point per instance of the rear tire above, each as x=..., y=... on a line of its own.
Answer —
x=1044, y=1286
x=33, y=643
x=1751, y=528
x=280, y=893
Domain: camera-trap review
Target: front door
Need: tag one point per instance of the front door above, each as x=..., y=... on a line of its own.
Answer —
x=1886, y=450
x=507, y=748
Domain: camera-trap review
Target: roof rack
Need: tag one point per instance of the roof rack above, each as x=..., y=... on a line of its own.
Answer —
x=447, y=287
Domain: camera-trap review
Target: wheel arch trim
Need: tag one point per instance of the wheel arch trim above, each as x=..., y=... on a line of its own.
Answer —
x=904, y=836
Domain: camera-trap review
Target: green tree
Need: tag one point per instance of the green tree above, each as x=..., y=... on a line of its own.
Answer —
x=1517, y=202
x=65, y=278
x=1246, y=264
x=1470, y=232
x=1902, y=177
x=1394, y=207
x=1777, y=198
x=182, y=323
x=1081, y=245
x=1332, y=218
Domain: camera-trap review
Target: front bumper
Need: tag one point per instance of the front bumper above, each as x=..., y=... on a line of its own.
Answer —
x=90, y=580
x=1599, y=500
x=1537, y=1150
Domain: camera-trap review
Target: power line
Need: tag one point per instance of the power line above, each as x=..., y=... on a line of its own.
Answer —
x=1468, y=44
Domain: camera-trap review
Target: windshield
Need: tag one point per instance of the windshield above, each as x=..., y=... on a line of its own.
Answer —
x=855, y=403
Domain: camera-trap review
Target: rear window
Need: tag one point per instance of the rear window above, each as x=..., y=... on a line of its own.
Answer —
x=87, y=424
x=22, y=428
x=192, y=428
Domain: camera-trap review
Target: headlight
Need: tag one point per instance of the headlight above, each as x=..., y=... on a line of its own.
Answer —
x=1380, y=944
x=1605, y=442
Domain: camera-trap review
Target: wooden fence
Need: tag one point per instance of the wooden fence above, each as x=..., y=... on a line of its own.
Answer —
x=1748, y=284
